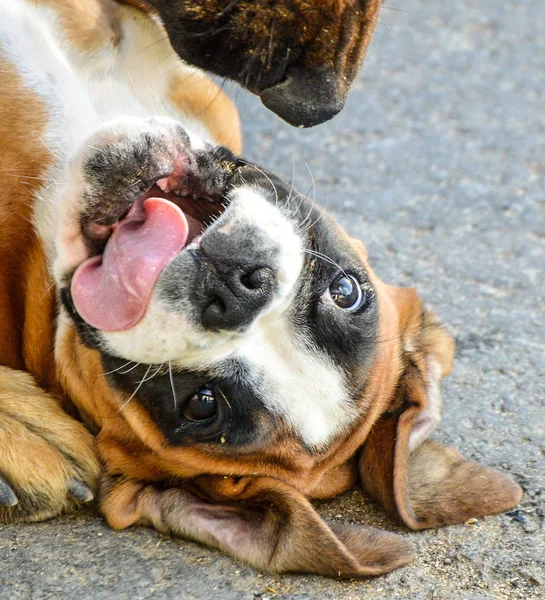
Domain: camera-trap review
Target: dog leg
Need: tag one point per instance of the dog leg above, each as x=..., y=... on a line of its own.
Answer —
x=48, y=462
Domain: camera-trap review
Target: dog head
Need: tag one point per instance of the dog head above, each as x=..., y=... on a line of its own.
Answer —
x=242, y=315
x=299, y=56
x=241, y=345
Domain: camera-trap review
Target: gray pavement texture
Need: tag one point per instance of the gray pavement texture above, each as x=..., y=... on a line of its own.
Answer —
x=438, y=164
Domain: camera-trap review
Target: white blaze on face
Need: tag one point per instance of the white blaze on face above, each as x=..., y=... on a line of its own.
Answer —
x=299, y=383
x=251, y=210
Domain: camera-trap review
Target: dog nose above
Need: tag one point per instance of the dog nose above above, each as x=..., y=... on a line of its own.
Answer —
x=230, y=296
x=291, y=100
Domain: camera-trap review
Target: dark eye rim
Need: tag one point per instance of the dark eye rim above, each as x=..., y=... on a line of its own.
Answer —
x=364, y=297
x=206, y=431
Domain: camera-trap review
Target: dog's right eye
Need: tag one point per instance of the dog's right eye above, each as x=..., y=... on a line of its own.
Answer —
x=201, y=406
x=346, y=292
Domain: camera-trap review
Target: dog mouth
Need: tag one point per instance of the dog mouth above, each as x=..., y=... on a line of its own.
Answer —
x=112, y=289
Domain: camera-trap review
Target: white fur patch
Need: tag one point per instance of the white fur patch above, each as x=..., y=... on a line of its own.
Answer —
x=299, y=384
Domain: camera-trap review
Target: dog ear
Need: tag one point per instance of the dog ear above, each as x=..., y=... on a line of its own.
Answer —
x=261, y=521
x=424, y=483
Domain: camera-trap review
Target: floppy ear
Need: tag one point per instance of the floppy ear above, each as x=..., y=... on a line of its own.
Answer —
x=261, y=521
x=424, y=483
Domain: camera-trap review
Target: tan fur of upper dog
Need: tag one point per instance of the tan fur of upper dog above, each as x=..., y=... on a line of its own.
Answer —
x=43, y=449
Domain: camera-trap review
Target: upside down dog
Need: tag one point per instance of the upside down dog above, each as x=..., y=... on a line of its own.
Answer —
x=183, y=334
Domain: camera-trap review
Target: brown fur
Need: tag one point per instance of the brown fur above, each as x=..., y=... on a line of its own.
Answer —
x=204, y=101
x=335, y=33
x=97, y=30
x=324, y=26
x=26, y=304
x=259, y=520
x=27, y=293
x=42, y=449
x=254, y=507
x=279, y=50
x=434, y=485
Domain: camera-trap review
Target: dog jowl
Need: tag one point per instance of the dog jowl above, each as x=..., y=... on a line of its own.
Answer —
x=248, y=359
x=299, y=56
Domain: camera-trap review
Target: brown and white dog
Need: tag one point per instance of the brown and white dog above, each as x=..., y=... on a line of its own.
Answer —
x=228, y=347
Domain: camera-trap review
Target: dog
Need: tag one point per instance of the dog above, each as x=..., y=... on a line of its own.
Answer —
x=182, y=334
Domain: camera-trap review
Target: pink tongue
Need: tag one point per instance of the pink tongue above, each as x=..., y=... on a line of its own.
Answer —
x=111, y=292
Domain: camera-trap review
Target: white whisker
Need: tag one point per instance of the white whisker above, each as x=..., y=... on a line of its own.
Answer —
x=119, y=368
x=154, y=373
x=325, y=259
x=313, y=187
x=136, y=390
x=174, y=397
x=267, y=177
x=129, y=370
x=292, y=179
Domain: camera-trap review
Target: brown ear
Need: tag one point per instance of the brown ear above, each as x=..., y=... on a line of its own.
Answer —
x=261, y=521
x=424, y=483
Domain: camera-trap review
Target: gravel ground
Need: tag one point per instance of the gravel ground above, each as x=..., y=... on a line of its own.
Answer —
x=438, y=164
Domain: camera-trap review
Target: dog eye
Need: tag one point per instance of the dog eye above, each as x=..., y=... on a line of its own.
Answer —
x=346, y=292
x=201, y=406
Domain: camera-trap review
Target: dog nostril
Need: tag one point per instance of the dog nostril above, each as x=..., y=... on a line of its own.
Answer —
x=254, y=280
x=217, y=305
x=214, y=312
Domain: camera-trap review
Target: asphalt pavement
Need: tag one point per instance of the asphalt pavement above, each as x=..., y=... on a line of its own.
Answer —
x=438, y=164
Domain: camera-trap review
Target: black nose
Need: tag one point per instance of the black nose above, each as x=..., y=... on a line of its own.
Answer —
x=230, y=292
x=305, y=98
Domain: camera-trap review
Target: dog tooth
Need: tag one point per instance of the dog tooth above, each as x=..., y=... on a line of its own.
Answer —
x=163, y=184
x=195, y=245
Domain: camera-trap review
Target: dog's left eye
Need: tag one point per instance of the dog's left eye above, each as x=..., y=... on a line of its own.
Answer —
x=346, y=293
x=201, y=406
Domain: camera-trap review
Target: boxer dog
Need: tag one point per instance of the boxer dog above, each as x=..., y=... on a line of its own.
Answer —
x=183, y=335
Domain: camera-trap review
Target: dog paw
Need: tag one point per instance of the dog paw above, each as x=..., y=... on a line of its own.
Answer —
x=48, y=463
